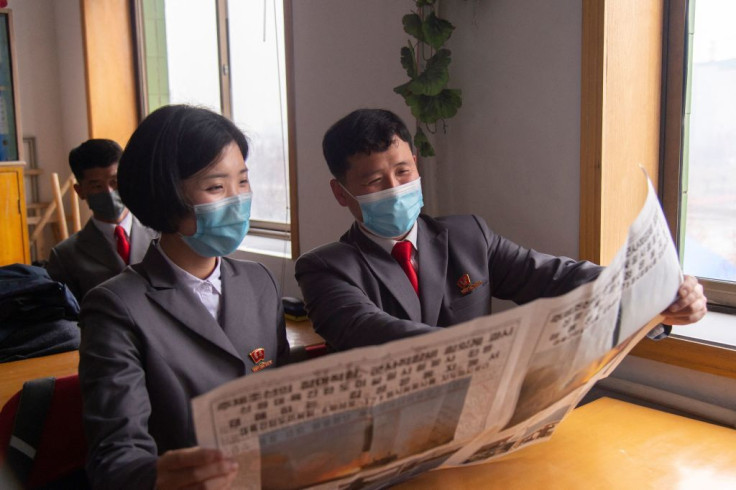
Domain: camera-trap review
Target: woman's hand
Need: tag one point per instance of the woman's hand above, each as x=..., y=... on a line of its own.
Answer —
x=195, y=468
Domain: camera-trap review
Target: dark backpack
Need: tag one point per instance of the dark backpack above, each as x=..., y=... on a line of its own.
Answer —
x=38, y=316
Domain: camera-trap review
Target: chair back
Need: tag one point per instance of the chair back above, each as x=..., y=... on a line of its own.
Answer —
x=42, y=441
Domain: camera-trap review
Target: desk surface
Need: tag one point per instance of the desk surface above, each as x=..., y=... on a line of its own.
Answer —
x=14, y=374
x=301, y=334
x=608, y=444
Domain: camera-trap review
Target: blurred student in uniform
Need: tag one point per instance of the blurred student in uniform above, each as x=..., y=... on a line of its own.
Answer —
x=113, y=238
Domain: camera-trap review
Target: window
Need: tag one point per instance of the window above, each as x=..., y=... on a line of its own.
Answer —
x=699, y=164
x=229, y=56
x=708, y=209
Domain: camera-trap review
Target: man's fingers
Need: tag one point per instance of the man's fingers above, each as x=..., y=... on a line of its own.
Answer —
x=690, y=292
x=693, y=313
x=191, y=456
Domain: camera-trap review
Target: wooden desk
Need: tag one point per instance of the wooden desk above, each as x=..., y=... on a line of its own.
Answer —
x=301, y=334
x=608, y=444
x=14, y=374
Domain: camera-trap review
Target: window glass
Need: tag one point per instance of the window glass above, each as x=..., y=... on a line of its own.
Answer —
x=256, y=39
x=709, y=200
x=185, y=64
x=191, y=44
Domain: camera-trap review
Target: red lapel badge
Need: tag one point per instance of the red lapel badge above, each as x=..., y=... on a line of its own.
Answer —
x=465, y=285
x=258, y=356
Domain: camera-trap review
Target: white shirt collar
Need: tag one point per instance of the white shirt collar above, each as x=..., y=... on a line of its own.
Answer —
x=388, y=243
x=208, y=290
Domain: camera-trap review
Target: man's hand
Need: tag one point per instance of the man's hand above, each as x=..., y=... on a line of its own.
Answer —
x=690, y=305
x=195, y=468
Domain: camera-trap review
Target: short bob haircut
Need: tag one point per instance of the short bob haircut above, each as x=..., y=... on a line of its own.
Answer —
x=93, y=153
x=172, y=144
x=362, y=131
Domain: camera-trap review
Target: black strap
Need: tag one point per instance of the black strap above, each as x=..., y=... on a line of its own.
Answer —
x=35, y=399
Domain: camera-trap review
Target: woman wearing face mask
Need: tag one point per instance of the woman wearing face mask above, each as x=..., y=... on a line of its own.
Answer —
x=184, y=320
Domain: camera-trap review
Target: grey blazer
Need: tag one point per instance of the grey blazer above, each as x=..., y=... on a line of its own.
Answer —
x=86, y=258
x=356, y=294
x=149, y=346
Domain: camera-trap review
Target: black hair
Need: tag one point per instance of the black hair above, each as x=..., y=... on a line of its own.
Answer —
x=170, y=145
x=93, y=153
x=362, y=131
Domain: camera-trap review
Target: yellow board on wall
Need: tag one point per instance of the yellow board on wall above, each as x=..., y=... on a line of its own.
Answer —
x=13, y=227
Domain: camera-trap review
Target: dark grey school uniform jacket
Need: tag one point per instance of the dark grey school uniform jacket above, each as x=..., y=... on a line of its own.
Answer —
x=149, y=346
x=356, y=294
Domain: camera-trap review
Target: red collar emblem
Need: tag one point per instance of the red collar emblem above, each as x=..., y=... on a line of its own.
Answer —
x=466, y=285
x=258, y=356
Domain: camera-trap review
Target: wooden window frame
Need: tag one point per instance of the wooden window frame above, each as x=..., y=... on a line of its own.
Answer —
x=602, y=33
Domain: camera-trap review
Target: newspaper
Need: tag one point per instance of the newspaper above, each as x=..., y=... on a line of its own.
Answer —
x=375, y=416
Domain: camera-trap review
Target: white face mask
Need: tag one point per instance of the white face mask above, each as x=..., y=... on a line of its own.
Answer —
x=391, y=212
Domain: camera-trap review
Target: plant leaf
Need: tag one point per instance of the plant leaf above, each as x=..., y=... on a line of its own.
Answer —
x=422, y=144
x=413, y=26
x=431, y=108
x=436, y=31
x=403, y=90
x=408, y=61
x=435, y=75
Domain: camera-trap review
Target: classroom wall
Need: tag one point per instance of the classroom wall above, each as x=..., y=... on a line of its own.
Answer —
x=512, y=149
x=512, y=153
x=51, y=83
x=346, y=56
x=51, y=77
x=517, y=134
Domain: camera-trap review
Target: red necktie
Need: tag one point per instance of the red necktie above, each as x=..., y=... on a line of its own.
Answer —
x=123, y=244
x=402, y=253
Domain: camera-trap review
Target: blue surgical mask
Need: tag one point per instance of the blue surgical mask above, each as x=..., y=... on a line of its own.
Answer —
x=391, y=212
x=221, y=225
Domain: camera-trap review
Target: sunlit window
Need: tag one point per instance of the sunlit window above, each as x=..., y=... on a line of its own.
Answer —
x=709, y=197
x=229, y=56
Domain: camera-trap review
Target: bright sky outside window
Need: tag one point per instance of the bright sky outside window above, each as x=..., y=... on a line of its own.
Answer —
x=710, y=145
x=184, y=65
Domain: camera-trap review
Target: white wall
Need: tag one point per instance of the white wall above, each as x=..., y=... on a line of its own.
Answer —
x=346, y=55
x=512, y=152
x=72, y=83
x=51, y=83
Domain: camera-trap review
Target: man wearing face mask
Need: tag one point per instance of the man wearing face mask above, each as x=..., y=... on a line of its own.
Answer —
x=398, y=273
x=113, y=238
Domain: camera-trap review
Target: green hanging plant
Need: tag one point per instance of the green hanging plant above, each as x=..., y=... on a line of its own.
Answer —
x=426, y=92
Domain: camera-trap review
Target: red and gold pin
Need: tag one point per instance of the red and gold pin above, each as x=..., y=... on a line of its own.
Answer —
x=258, y=356
x=465, y=284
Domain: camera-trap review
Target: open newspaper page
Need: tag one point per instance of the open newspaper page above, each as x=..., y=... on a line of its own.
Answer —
x=374, y=416
x=587, y=336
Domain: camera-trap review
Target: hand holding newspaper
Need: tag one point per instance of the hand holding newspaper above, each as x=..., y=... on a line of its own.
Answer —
x=375, y=416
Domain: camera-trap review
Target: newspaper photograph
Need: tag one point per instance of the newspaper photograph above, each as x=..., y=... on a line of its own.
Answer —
x=375, y=416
